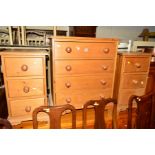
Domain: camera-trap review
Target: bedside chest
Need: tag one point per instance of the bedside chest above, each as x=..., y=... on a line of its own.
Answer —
x=131, y=79
x=83, y=69
x=24, y=74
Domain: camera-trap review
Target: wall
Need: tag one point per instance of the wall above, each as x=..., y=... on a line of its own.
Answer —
x=124, y=33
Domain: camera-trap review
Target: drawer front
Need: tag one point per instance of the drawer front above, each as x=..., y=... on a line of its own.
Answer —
x=25, y=87
x=137, y=64
x=25, y=107
x=79, y=98
x=83, y=83
x=83, y=66
x=24, y=66
x=124, y=96
x=133, y=81
x=84, y=50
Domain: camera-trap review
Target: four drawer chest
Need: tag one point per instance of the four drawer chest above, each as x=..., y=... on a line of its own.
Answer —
x=83, y=69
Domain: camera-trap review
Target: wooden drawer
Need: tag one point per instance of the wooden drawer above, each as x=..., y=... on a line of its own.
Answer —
x=25, y=87
x=78, y=98
x=124, y=96
x=83, y=66
x=84, y=50
x=133, y=81
x=23, y=66
x=69, y=83
x=136, y=64
x=25, y=107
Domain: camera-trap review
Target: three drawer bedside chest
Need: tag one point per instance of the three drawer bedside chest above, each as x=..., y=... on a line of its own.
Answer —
x=83, y=69
x=131, y=76
x=24, y=72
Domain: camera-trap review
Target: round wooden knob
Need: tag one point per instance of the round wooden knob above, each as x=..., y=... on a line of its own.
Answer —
x=138, y=65
x=68, y=100
x=142, y=82
x=106, y=50
x=26, y=89
x=24, y=67
x=105, y=67
x=27, y=108
x=103, y=82
x=135, y=81
x=68, y=68
x=68, y=50
x=68, y=84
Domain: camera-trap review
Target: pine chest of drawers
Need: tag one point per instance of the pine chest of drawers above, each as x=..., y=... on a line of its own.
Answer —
x=83, y=69
x=131, y=76
x=24, y=74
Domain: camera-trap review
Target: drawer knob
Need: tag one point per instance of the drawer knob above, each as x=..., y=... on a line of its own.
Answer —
x=138, y=65
x=86, y=49
x=24, y=68
x=68, y=84
x=106, y=50
x=26, y=89
x=68, y=100
x=142, y=82
x=105, y=67
x=135, y=81
x=68, y=50
x=68, y=68
x=103, y=82
x=27, y=108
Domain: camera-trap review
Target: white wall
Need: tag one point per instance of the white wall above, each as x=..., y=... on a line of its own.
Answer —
x=124, y=33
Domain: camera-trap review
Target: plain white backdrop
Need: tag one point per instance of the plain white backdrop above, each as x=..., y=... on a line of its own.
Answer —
x=77, y=12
